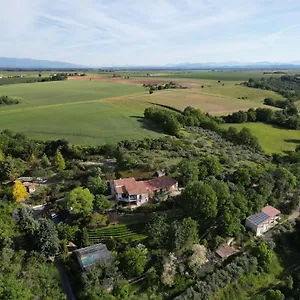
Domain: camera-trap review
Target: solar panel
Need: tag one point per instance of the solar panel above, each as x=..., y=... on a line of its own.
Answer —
x=258, y=218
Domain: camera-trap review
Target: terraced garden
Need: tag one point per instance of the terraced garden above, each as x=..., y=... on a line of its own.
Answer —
x=121, y=233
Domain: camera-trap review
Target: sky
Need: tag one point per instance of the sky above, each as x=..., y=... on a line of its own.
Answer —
x=150, y=33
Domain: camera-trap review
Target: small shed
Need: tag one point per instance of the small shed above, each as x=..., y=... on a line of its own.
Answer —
x=87, y=257
x=226, y=251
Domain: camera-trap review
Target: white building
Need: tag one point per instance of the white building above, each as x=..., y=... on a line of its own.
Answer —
x=128, y=191
x=263, y=221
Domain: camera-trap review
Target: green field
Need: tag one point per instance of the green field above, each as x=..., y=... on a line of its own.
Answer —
x=272, y=139
x=81, y=111
x=216, y=99
x=226, y=75
x=93, y=112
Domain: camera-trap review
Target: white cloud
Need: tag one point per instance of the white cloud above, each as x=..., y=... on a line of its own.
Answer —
x=140, y=32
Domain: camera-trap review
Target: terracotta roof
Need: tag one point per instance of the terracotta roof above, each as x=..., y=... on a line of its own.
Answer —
x=271, y=211
x=130, y=186
x=160, y=183
x=225, y=251
x=138, y=188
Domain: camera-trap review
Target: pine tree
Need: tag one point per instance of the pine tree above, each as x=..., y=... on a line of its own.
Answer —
x=59, y=161
x=19, y=191
x=2, y=156
x=33, y=160
x=45, y=161
x=84, y=237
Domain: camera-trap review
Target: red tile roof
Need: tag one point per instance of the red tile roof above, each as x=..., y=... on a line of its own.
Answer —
x=225, y=251
x=130, y=186
x=160, y=183
x=271, y=211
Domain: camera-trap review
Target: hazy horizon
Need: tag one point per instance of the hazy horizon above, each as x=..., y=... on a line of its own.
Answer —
x=101, y=33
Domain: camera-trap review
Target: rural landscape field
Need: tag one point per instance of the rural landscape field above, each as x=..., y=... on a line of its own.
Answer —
x=150, y=150
x=101, y=107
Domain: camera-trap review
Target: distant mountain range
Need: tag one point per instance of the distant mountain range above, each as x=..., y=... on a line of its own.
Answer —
x=27, y=63
x=235, y=65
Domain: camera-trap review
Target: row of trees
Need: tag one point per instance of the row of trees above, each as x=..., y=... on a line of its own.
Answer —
x=11, y=168
x=171, y=123
x=287, y=85
x=278, y=103
x=287, y=118
x=166, y=120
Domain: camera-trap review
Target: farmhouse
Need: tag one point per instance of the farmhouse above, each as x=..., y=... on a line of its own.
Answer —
x=128, y=191
x=264, y=220
x=88, y=256
x=161, y=184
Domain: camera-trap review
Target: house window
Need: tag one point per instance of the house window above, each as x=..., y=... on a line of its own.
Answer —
x=140, y=197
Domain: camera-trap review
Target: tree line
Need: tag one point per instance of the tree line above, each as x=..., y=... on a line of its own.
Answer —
x=172, y=122
x=287, y=85
x=286, y=118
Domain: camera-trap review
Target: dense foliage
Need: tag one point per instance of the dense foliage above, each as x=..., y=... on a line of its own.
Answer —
x=171, y=122
x=5, y=100
x=204, y=289
x=25, y=79
x=287, y=118
x=163, y=249
x=286, y=85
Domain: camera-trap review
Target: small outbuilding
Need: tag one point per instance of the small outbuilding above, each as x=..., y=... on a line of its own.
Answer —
x=89, y=256
x=31, y=187
x=225, y=251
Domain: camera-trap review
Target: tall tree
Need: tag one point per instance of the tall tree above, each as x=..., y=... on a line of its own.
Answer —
x=11, y=168
x=59, y=161
x=97, y=185
x=19, y=191
x=101, y=203
x=45, y=161
x=158, y=229
x=183, y=235
x=47, y=238
x=80, y=200
x=189, y=171
x=134, y=260
x=199, y=201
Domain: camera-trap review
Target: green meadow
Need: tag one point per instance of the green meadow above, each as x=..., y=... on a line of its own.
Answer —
x=272, y=139
x=83, y=112
x=99, y=111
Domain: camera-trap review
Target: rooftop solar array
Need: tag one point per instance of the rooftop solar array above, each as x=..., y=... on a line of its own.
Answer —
x=258, y=218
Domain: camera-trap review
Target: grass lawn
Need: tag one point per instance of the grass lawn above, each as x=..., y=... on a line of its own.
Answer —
x=272, y=139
